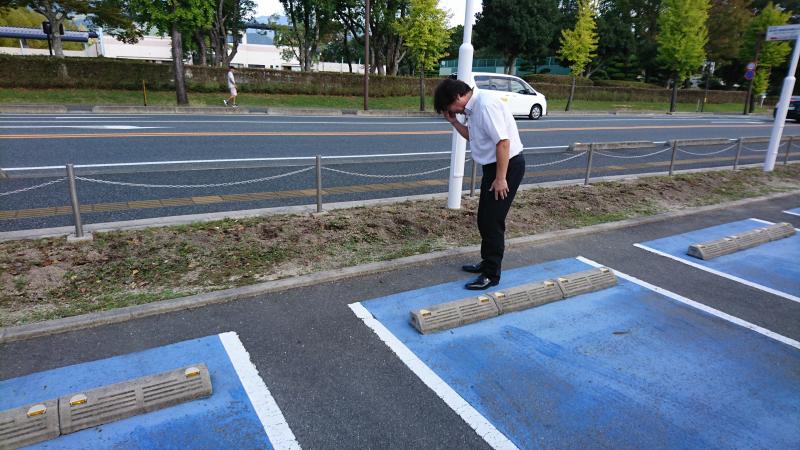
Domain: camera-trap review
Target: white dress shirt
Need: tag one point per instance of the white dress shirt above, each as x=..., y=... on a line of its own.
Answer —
x=490, y=121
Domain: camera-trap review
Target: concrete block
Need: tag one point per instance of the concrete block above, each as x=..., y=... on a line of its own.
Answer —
x=586, y=281
x=713, y=249
x=453, y=314
x=780, y=230
x=527, y=296
x=118, y=401
x=29, y=424
x=751, y=238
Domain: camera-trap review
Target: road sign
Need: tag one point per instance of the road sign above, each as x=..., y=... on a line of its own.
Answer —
x=749, y=75
x=751, y=66
x=783, y=32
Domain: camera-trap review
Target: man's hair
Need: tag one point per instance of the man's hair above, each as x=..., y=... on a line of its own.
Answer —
x=448, y=92
x=231, y=67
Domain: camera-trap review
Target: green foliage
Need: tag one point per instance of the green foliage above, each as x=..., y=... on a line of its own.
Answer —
x=25, y=18
x=771, y=54
x=617, y=52
x=683, y=35
x=579, y=44
x=517, y=28
x=308, y=22
x=727, y=22
x=424, y=32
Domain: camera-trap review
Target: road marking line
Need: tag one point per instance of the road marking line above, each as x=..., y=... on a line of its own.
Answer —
x=767, y=222
x=102, y=127
x=278, y=431
x=792, y=213
x=471, y=416
x=700, y=306
x=721, y=274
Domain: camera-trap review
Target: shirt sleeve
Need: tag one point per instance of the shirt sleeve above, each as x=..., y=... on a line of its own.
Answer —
x=496, y=125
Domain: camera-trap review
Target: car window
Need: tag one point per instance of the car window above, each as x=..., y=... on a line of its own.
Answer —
x=499, y=83
x=518, y=87
x=482, y=82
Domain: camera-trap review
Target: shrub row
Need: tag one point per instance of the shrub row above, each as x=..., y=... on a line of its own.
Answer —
x=102, y=73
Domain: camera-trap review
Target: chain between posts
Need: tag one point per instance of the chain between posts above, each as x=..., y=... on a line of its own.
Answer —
x=674, y=154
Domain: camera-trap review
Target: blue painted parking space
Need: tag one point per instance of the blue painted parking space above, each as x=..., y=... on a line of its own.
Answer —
x=623, y=367
x=226, y=419
x=773, y=266
x=793, y=211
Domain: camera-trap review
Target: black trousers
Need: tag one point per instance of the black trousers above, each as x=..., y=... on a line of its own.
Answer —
x=492, y=214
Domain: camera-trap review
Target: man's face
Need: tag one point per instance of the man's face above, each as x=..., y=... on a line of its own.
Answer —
x=457, y=107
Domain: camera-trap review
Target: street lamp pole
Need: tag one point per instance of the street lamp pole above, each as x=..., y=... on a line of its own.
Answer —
x=783, y=106
x=459, y=144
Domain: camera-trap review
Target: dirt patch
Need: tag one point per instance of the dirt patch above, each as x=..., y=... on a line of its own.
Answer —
x=51, y=278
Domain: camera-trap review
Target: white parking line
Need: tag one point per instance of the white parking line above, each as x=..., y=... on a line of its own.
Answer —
x=700, y=306
x=278, y=431
x=792, y=213
x=721, y=274
x=471, y=416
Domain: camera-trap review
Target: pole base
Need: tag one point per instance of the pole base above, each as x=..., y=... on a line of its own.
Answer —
x=87, y=237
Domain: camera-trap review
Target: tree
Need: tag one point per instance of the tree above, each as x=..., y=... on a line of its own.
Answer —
x=578, y=45
x=517, y=28
x=425, y=34
x=309, y=21
x=108, y=13
x=682, y=39
x=617, y=51
x=645, y=16
x=771, y=54
x=727, y=22
x=173, y=16
x=24, y=17
x=230, y=17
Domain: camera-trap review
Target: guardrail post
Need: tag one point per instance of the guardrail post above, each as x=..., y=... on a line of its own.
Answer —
x=738, y=152
x=674, y=153
x=319, y=183
x=472, y=180
x=588, y=165
x=788, y=149
x=76, y=207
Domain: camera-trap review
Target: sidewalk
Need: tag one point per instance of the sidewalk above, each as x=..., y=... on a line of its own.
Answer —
x=286, y=111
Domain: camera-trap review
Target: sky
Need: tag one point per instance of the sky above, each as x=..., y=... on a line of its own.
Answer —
x=269, y=7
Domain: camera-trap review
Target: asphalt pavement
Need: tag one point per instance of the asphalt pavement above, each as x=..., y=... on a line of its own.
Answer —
x=339, y=385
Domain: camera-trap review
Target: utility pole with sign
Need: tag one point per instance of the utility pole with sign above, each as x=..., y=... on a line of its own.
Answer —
x=782, y=33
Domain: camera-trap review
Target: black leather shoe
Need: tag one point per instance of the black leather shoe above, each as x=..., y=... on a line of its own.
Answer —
x=473, y=268
x=481, y=283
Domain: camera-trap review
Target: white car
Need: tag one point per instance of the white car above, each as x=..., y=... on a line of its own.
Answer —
x=520, y=96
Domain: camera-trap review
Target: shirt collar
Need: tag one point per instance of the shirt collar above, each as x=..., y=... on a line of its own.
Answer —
x=471, y=102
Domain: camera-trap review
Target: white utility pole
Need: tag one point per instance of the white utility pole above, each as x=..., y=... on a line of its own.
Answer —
x=774, y=34
x=459, y=147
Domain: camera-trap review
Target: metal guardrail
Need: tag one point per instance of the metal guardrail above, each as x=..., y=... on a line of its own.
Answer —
x=321, y=163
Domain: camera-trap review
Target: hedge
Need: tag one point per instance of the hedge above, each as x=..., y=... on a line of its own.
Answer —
x=39, y=72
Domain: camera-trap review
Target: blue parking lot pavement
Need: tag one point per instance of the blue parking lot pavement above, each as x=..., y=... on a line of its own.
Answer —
x=624, y=367
x=773, y=266
x=793, y=211
x=227, y=419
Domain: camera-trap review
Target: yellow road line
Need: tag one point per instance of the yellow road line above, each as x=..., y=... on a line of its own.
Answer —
x=300, y=193
x=349, y=133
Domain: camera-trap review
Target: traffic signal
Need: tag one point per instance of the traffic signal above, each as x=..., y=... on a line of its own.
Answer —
x=61, y=28
x=46, y=28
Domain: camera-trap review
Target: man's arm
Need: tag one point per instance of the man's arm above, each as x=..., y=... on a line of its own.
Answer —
x=499, y=185
x=460, y=127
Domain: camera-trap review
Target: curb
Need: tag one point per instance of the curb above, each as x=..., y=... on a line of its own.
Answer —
x=57, y=326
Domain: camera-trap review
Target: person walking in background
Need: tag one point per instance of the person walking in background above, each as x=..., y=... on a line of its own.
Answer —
x=232, y=87
x=495, y=144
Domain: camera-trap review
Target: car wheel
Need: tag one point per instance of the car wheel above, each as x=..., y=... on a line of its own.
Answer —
x=536, y=112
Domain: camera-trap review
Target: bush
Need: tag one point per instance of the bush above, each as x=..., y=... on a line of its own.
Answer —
x=556, y=79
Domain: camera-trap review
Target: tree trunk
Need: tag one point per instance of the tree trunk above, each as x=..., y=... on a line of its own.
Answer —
x=571, y=94
x=673, y=99
x=421, y=88
x=201, y=48
x=177, y=64
x=511, y=61
x=347, y=52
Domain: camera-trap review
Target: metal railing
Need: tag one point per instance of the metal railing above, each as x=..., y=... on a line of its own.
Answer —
x=629, y=150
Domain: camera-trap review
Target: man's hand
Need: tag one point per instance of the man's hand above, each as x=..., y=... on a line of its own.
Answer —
x=450, y=117
x=500, y=188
